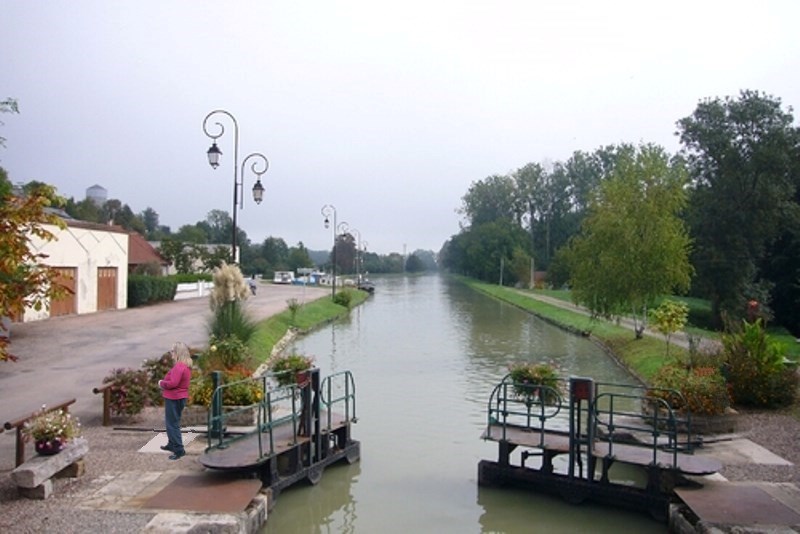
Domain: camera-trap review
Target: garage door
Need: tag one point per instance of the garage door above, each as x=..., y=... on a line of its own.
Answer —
x=106, y=288
x=67, y=305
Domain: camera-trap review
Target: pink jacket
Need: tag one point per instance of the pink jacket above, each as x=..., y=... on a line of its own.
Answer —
x=175, y=385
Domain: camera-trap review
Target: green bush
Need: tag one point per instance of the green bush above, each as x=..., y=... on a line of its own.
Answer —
x=129, y=394
x=225, y=353
x=143, y=289
x=244, y=391
x=230, y=319
x=755, y=368
x=703, y=390
x=344, y=298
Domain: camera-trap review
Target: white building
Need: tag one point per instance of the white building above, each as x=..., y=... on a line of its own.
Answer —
x=93, y=262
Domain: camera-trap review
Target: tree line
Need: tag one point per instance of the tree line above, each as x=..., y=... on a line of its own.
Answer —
x=626, y=223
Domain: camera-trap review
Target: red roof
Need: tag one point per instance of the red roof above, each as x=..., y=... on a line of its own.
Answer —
x=141, y=252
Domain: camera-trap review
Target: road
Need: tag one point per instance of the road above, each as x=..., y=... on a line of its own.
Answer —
x=65, y=357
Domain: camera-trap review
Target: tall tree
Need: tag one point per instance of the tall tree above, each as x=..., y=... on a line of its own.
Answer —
x=491, y=199
x=150, y=219
x=276, y=253
x=298, y=257
x=345, y=254
x=743, y=158
x=633, y=246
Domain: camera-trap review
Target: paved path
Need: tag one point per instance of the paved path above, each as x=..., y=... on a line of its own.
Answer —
x=678, y=338
x=65, y=357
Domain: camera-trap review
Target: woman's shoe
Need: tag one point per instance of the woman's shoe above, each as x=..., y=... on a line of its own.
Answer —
x=177, y=455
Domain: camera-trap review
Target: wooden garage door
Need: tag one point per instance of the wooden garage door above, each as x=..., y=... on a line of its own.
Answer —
x=106, y=288
x=67, y=305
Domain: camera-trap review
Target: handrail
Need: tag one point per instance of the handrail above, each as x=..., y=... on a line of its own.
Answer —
x=19, y=423
x=343, y=384
x=644, y=397
x=655, y=431
x=271, y=396
x=105, y=389
x=542, y=403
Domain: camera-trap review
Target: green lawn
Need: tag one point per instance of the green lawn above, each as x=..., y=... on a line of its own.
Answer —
x=310, y=315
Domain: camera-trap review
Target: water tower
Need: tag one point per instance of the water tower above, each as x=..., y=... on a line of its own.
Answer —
x=97, y=194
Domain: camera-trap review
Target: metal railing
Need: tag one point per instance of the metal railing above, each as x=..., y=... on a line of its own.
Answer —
x=297, y=405
x=524, y=405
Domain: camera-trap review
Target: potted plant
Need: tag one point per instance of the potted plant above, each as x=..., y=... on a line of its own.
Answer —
x=291, y=368
x=51, y=430
x=535, y=381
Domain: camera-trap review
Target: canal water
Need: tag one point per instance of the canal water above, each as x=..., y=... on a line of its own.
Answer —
x=426, y=352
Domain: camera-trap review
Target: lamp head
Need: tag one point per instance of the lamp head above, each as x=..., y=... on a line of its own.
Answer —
x=213, y=155
x=258, y=192
x=327, y=223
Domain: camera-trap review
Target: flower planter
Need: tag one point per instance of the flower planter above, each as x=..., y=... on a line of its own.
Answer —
x=49, y=447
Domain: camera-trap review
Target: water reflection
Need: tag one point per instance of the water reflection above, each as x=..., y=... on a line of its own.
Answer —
x=328, y=507
x=426, y=352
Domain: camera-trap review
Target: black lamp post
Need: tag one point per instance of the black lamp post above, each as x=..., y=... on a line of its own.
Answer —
x=214, y=154
x=327, y=211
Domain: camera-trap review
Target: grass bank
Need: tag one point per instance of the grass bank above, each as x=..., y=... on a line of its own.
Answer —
x=643, y=357
x=310, y=315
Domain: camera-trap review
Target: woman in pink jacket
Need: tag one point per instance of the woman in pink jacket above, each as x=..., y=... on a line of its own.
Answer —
x=175, y=390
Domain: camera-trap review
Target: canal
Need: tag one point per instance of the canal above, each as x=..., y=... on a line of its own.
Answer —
x=426, y=352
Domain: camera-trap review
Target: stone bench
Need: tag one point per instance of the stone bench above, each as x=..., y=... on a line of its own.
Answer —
x=33, y=478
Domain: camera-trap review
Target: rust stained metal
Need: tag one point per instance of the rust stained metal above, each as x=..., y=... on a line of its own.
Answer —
x=205, y=493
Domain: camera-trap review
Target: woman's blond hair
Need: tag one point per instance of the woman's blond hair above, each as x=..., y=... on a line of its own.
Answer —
x=181, y=353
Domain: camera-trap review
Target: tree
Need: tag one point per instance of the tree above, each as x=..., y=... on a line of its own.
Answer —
x=218, y=226
x=189, y=233
x=9, y=105
x=84, y=210
x=345, y=253
x=633, y=247
x=276, y=252
x=25, y=279
x=150, y=219
x=743, y=160
x=491, y=199
x=484, y=251
x=298, y=257
x=414, y=264
x=670, y=317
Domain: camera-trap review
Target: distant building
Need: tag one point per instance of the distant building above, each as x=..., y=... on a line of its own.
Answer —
x=97, y=194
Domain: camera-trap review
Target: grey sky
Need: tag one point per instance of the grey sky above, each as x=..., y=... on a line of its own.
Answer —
x=387, y=110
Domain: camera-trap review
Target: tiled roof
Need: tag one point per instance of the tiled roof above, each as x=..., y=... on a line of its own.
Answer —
x=141, y=252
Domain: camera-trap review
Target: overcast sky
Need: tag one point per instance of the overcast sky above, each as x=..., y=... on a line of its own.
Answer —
x=387, y=110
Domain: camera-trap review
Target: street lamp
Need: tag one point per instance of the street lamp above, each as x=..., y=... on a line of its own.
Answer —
x=327, y=211
x=214, y=154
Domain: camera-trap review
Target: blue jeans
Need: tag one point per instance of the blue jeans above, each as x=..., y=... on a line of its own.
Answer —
x=172, y=417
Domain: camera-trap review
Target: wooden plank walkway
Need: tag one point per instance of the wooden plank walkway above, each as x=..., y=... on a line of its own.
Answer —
x=243, y=452
x=631, y=454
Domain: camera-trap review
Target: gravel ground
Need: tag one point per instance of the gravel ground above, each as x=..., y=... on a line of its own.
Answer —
x=777, y=431
x=111, y=452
